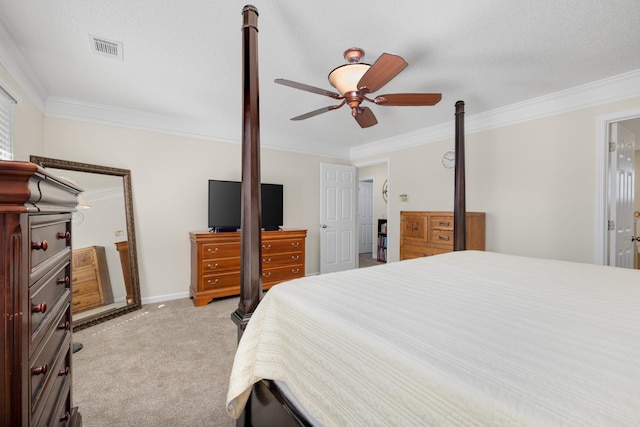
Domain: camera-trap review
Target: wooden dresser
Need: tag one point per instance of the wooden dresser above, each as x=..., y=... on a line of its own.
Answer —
x=215, y=262
x=91, y=281
x=430, y=233
x=35, y=281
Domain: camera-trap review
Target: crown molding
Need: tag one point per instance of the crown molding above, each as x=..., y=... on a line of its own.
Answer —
x=17, y=66
x=611, y=89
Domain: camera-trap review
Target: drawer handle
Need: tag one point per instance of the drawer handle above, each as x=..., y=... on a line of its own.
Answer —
x=444, y=223
x=295, y=244
x=40, y=370
x=64, y=236
x=212, y=251
x=63, y=280
x=44, y=245
x=66, y=416
x=63, y=372
x=414, y=228
x=266, y=274
x=266, y=260
x=39, y=308
x=295, y=270
x=65, y=325
x=212, y=282
x=295, y=257
x=266, y=246
x=443, y=238
x=212, y=267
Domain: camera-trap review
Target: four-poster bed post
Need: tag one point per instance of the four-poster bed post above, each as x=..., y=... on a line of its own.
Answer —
x=251, y=237
x=459, y=209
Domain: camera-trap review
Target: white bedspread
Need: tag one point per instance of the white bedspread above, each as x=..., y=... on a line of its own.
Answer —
x=460, y=339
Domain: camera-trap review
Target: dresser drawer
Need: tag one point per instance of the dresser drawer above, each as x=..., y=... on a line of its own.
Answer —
x=55, y=404
x=42, y=367
x=417, y=251
x=49, y=235
x=220, y=281
x=47, y=294
x=441, y=237
x=279, y=246
x=441, y=223
x=220, y=250
x=279, y=260
x=280, y=274
x=220, y=265
x=85, y=281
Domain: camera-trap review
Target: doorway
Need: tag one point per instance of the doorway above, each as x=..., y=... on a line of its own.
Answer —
x=606, y=216
x=375, y=174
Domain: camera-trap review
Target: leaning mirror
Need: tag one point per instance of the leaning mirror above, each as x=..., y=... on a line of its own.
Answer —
x=104, y=260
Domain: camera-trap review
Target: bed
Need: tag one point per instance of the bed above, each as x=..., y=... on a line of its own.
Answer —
x=465, y=338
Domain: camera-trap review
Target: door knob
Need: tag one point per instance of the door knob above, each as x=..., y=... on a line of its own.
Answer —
x=635, y=238
x=324, y=225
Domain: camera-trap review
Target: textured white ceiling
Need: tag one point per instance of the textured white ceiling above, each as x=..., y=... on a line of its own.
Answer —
x=182, y=59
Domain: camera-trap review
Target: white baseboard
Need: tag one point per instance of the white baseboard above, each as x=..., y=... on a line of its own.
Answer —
x=161, y=298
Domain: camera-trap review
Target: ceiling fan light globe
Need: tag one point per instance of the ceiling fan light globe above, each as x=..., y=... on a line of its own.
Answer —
x=345, y=78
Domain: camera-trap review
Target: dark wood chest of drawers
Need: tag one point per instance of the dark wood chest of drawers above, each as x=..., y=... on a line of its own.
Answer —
x=35, y=281
x=215, y=262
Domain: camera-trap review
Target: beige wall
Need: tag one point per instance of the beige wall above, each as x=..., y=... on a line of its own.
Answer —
x=28, y=121
x=169, y=178
x=535, y=180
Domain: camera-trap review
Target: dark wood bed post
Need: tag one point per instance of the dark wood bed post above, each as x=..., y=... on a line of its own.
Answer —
x=251, y=237
x=459, y=208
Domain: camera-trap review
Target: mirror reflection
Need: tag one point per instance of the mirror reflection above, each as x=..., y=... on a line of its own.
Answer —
x=104, y=265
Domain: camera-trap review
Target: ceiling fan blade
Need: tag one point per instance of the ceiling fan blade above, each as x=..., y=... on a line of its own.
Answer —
x=365, y=117
x=410, y=99
x=386, y=67
x=308, y=88
x=318, y=112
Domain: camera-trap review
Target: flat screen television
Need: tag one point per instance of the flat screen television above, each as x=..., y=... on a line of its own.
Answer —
x=225, y=205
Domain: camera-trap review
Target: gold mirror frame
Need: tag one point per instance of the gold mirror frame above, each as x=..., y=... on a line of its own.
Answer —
x=93, y=319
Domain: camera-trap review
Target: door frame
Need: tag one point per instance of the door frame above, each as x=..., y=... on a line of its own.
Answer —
x=601, y=246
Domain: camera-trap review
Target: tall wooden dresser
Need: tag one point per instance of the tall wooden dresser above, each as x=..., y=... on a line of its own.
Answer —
x=215, y=262
x=425, y=233
x=35, y=281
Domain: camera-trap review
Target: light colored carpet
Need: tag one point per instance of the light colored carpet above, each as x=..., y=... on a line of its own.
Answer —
x=367, y=261
x=167, y=364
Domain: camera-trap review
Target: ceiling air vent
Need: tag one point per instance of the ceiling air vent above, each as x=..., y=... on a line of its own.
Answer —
x=110, y=48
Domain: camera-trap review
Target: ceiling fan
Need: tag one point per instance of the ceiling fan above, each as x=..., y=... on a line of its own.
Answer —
x=355, y=80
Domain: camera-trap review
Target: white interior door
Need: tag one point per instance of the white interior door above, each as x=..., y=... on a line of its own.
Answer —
x=338, y=188
x=621, y=247
x=365, y=217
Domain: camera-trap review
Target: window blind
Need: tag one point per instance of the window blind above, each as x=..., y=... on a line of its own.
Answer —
x=6, y=125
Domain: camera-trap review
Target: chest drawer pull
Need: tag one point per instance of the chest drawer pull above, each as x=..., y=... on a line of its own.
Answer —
x=443, y=238
x=40, y=370
x=295, y=244
x=39, y=308
x=444, y=223
x=212, y=282
x=266, y=260
x=212, y=267
x=44, y=245
x=63, y=280
x=295, y=270
x=266, y=274
x=295, y=257
x=212, y=251
x=64, y=236
x=266, y=246
x=65, y=325
x=63, y=372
